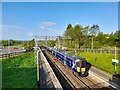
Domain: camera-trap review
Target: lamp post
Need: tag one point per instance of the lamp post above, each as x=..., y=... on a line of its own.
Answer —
x=115, y=64
x=114, y=61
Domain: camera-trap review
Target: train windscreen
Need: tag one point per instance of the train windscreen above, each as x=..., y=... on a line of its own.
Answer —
x=83, y=64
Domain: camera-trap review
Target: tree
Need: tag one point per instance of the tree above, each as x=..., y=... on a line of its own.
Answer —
x=69, y=26
x=117, y=38
x=68, y=33
x=75, y=33
x=51, y=43
x=111, y=39
x=29, y=45
x=85, y=37
x=101, y=39
x=94, y=30
x=86, y=30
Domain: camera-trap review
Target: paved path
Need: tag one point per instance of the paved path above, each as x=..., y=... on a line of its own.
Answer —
x=104, y=77
x=101, y=73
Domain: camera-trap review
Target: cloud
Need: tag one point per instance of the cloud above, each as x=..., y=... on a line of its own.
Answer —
x=13, y=32
x=29, y=34
x=47, y=26
x=9, y=27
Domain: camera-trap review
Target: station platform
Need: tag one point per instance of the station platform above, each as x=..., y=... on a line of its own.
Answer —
x=47, y=78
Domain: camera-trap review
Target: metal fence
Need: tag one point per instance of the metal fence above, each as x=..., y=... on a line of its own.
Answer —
x=107, y=51
x=8, y=55
x=110, y=51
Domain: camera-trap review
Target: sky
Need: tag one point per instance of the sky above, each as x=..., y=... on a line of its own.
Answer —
x=24, y=20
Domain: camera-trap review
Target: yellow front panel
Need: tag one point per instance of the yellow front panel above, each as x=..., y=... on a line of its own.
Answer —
x=78, y=69
x=83, y=69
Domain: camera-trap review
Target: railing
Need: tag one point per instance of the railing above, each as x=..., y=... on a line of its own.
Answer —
x=107, y=51
x=101, y=51
x=8, y=55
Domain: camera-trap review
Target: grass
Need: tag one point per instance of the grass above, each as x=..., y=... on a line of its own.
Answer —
x=19, y=71
x=102, y=61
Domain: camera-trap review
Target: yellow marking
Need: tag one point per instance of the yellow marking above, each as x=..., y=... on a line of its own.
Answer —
x=78, y=69
x=83, y=69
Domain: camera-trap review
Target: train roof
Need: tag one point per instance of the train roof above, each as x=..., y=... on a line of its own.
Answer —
x=73, y=57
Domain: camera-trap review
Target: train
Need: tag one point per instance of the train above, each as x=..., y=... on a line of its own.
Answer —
x=76, y=63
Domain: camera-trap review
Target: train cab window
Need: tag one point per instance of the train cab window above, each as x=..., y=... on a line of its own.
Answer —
x=83, y=64
x=77, y=63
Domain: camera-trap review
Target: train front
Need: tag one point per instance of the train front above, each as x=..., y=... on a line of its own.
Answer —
x=80, y=66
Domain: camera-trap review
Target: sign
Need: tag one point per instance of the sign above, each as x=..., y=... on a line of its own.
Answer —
x=115, y=61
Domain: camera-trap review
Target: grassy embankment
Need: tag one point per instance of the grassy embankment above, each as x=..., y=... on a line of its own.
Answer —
x=102, y=61
x=19, y=71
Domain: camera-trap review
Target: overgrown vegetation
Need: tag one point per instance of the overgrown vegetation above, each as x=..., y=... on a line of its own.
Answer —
x=19, y=71
x=28, y=45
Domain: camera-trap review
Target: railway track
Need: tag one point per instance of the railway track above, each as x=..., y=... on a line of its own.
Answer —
x=72, y=80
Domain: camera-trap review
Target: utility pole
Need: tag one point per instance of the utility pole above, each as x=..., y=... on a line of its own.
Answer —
x=35, y=41
x=92, y=43
x=115, y=63
x=46, y=40
x=58, y=42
